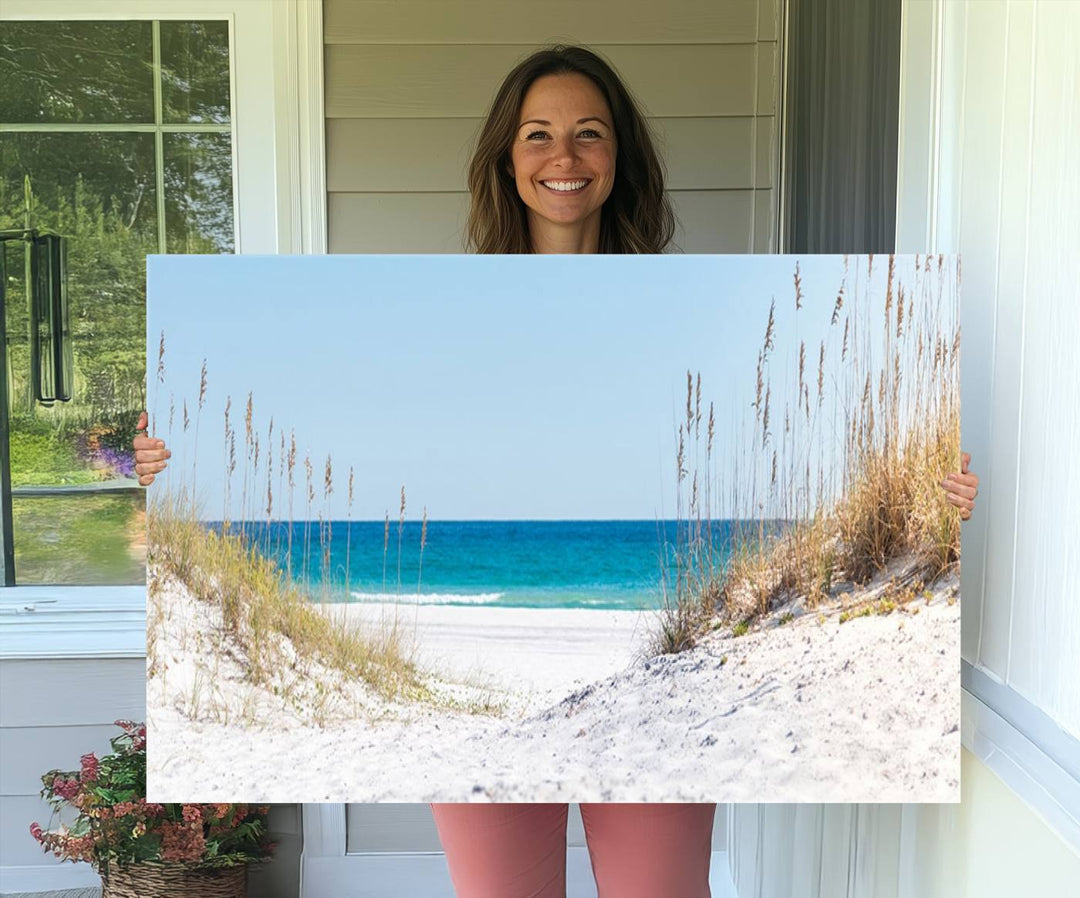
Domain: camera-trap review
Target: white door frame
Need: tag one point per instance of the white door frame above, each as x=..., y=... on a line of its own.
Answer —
x=1008, y=732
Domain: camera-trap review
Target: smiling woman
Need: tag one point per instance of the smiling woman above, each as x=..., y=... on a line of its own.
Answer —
x=565, y=164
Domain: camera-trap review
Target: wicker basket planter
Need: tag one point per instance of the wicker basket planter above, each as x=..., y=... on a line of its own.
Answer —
x=158, y=880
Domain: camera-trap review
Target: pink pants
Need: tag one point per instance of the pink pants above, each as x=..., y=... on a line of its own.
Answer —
x=519, y=850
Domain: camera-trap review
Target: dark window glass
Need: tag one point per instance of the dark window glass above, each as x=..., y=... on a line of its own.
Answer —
x=68, y=72
x=198, y=193
x=78, y=513
x=195, y=72
x=81, y=540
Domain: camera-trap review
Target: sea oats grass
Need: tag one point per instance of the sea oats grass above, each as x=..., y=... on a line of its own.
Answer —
x=849, y=486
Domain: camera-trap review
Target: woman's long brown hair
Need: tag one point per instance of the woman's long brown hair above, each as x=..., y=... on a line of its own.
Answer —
x=637, y=216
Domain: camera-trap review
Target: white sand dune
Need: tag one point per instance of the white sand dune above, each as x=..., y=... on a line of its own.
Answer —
x=810, y=710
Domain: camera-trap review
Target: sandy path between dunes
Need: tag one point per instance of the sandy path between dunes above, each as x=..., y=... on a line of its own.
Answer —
x=539, y=655
x=813, y=710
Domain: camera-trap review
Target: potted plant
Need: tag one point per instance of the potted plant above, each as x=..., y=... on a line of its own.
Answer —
x=142, y=849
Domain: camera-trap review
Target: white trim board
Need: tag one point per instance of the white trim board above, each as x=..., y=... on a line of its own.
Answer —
x=1023, y=765
x=301, y=133
x=38, y=622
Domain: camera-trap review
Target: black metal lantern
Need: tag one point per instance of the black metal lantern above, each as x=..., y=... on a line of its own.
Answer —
x=51, y=360
x=51, y=357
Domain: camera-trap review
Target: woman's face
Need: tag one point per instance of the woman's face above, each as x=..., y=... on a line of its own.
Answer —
x=563, y=154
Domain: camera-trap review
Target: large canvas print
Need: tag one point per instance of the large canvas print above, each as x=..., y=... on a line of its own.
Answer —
x=482, y=528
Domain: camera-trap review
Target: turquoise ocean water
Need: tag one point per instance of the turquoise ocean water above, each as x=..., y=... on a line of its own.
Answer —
x=525, y=564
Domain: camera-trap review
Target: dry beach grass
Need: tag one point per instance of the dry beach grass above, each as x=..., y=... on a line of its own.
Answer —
x=269, y=615
x=819, y=516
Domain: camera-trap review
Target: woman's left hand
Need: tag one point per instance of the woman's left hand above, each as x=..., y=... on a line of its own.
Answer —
x=961, y=489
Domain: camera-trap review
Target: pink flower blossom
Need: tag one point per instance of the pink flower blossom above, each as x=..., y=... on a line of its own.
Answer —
x=65, y=788
x=181, y=842
x=89, y=768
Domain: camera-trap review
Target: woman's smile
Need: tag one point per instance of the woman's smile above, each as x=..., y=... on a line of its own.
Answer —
x=563, y=186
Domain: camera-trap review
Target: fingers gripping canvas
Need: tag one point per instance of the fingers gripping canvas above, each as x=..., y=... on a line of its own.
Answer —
x=481, y=528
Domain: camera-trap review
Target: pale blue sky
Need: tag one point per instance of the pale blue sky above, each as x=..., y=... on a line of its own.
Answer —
x=490, y=386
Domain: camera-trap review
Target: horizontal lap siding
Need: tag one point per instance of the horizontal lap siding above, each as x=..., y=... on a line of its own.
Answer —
x=53, y=712
x=408, y=84
x=461, y=80
x=526, y=22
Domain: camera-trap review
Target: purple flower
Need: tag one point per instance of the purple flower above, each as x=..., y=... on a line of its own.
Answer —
x=119, y=461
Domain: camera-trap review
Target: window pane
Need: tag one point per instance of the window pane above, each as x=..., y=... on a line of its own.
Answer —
x=76, y=72
x=198, y=193
x=81, y=540
x=195, y=72
x=98, y=191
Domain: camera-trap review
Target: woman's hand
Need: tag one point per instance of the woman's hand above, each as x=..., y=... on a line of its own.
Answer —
x=150, y=454
x=961, y=489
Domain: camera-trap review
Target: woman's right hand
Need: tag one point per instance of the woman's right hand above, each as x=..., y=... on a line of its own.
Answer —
x=150, y=454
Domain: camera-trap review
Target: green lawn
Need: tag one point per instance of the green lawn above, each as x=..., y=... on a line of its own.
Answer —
x=84, y=540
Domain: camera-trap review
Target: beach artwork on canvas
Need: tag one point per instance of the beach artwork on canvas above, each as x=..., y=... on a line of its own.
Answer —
x=561, y=528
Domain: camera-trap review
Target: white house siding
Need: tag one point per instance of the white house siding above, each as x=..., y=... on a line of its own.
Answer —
x=408, y=84
x=53, y=712
x=1008, y=200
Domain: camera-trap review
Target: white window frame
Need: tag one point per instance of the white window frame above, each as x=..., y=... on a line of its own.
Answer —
x=279, y=199
x=279, y=206
x=277, y=107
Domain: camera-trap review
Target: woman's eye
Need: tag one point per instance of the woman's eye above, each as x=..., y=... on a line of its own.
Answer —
x=589, y=132
x=536, y=135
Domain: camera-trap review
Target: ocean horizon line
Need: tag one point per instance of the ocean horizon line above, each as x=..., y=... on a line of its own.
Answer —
x=394, y=521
